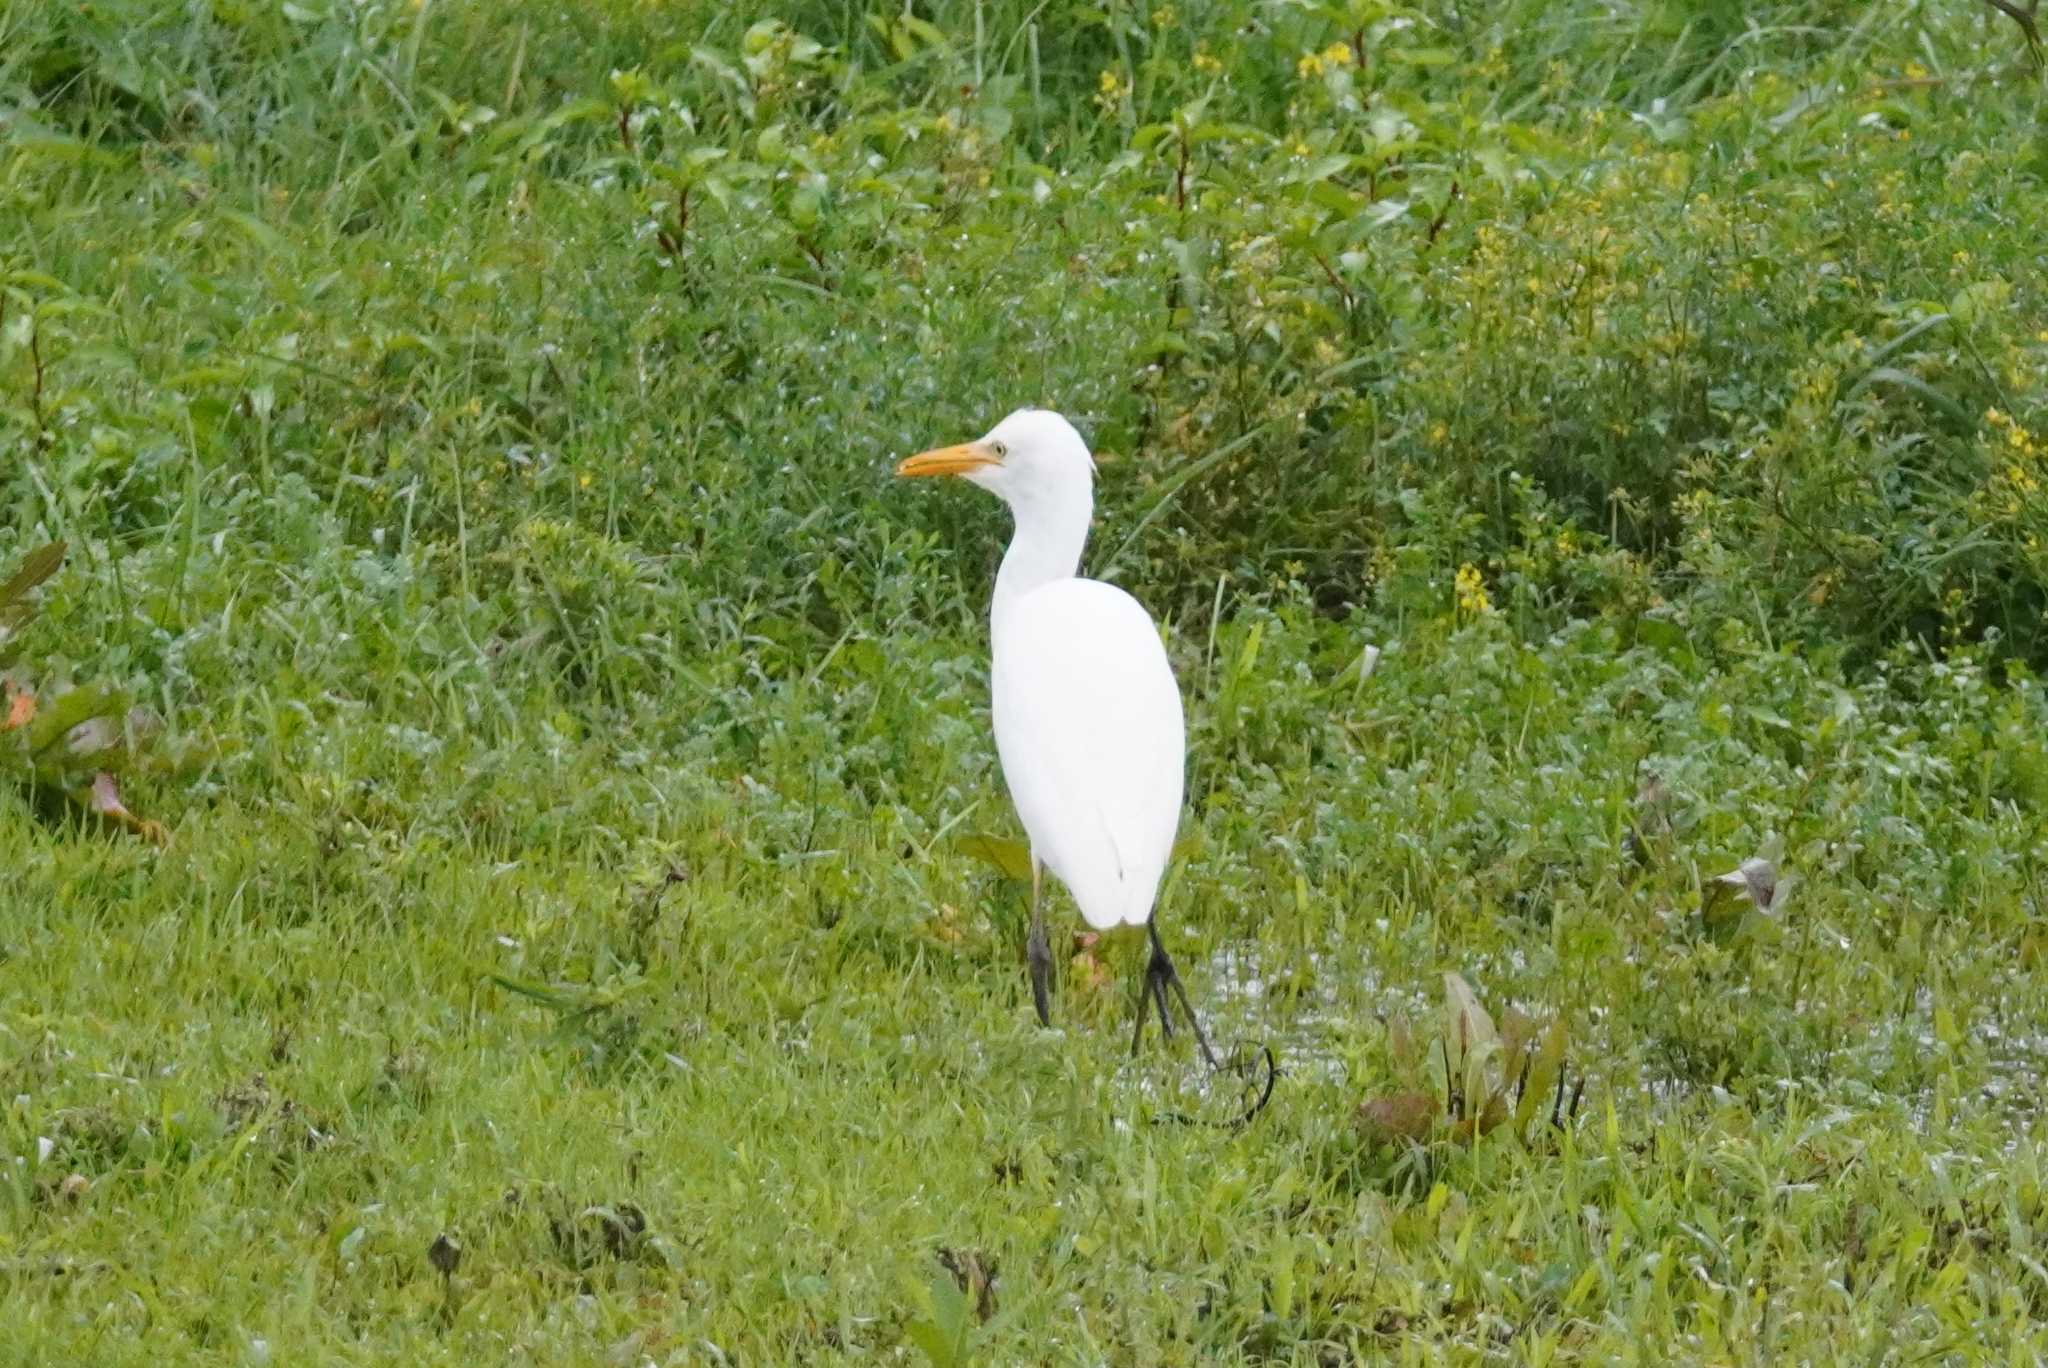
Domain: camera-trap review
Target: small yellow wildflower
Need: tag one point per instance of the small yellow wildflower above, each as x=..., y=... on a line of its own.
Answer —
x=1163, y=17
x=583, y=480
x=1337, y=55
x=1207, y=62
x=1471, y=590
x=1300, y=149
x=1110, y=90
x=1309, y=67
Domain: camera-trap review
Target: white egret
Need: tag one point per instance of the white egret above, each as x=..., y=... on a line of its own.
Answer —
x=1087, y=715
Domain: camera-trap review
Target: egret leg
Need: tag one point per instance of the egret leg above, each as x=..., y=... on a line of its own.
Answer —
x=1036, y=952
x=1160, y=979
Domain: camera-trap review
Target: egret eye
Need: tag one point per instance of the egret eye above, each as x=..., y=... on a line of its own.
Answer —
x=1001, y=449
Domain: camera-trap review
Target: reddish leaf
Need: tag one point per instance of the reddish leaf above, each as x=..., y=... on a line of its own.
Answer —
x=1470, y=1128
x=1403, y=1116
x=21, y=707
x=1401, y=1046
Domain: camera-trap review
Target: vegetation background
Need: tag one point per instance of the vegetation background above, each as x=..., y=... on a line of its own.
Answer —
x=1575, y=446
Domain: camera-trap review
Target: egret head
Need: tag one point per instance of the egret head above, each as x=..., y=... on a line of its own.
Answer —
x=1032, y=456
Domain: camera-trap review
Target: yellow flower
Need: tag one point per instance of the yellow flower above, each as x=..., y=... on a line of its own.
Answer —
x=1163, y=17
x=1110, y=90
x=1337, y=55
x=1309, y=66
x=1207, y=62
x=1471, y=590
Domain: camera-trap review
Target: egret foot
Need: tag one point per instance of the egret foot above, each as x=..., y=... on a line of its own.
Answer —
x=1040, y=959
x=1160, y=979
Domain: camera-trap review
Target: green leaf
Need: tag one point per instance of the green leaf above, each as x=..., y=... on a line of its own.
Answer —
x=1322, y=168
x=1541, y=1080
x=37, y=566
x=255, y=229
x=1906, y=380
x=932, y=1341
x=1465, y=1021
x=1010, y=858
x=1147, y=138
x=70, y=709
x=944, y=1337
x=1232, y=132
x=1978, y=301
x=546, y=996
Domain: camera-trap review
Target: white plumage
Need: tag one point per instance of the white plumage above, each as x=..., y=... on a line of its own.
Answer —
x=1088, y=724
x=1087, y=715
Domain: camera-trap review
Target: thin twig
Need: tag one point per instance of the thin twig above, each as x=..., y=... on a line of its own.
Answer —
x=35, y=355
x=1335, y=279
x=1436, y=225
x=2025, y=19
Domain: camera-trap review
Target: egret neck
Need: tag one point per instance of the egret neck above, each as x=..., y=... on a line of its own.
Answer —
x=1051, y=529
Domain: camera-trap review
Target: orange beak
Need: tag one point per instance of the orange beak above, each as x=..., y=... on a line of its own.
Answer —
x=952, y=460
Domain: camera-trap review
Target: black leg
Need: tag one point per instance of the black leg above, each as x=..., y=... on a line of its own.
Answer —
x=1037, y=954
x=1160, y=979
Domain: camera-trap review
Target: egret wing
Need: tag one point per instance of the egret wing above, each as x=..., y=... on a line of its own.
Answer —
x=1088, y=724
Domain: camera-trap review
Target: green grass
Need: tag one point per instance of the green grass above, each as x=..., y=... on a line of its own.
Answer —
x=500, y=538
